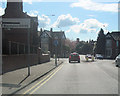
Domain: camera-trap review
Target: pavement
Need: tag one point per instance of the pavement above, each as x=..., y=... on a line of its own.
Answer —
x=14, y=81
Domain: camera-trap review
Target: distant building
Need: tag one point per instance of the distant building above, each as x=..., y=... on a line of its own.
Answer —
x=47, y=38
x=60, y=35
x=112, y=46
x=15, y=39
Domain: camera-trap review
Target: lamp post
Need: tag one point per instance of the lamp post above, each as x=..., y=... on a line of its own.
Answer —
x=60, y=28
x=56, y=44
x=105, y=27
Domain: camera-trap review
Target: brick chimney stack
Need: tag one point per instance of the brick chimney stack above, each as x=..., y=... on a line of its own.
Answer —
x=14, y=9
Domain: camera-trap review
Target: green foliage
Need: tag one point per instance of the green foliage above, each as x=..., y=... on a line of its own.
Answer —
x=67, y=48
x=84, y=47
x=101, y=43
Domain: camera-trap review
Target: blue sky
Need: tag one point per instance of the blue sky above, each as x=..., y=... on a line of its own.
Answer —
x=79, y=19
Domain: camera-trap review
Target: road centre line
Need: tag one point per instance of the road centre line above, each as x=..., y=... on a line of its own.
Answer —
x=41, y=81
x=46, y=80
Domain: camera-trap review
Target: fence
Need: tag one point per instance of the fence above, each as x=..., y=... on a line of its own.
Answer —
x=9, y=48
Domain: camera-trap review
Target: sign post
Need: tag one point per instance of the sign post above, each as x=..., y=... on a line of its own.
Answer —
x=19, y=23
x=56, y=44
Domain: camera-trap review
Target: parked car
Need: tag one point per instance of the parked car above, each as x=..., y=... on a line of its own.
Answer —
x=117, y=61
x=98, y=56
x=74, y=57
x=89, y=56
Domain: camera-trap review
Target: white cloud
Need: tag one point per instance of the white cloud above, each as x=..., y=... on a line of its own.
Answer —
x=43, y=21
x=1, y=11
x=30, y=1
x=89, y=25
x=91, y=15
x=65, y=21
x=33, y=13
x=106, y=1
x=90, y=5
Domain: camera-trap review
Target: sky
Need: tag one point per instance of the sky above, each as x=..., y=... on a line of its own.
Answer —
x=77, y=18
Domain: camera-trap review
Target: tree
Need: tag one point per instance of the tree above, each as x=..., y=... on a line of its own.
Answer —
x=100, y=47
x=85, y=47
x=71, y=44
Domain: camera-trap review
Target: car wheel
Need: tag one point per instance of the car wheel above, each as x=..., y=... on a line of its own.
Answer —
x=69, y=61
x=78, y=61
x=116, y=65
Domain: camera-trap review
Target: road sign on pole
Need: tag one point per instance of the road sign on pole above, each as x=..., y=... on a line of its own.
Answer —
x=55, y=44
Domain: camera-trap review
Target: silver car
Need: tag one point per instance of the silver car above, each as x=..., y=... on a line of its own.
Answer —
x=117, y=61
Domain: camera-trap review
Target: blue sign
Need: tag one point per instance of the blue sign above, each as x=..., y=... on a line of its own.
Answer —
x=55, y=42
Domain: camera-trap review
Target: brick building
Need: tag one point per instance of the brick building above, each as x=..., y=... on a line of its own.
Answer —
x=112, y=46
x=46, y=41
x=15, y=39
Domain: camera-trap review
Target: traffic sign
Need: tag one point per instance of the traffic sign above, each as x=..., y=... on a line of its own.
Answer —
x=55, y=42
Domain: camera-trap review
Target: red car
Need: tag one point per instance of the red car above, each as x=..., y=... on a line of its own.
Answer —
x=74, y=57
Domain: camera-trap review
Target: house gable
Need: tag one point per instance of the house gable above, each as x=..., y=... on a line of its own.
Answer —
x=108, y=36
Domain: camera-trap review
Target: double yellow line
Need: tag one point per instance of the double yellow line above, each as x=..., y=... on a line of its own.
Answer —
x=43, y=81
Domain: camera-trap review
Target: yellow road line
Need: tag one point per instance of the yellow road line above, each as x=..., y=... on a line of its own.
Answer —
x=46, y=81
x=39, y=82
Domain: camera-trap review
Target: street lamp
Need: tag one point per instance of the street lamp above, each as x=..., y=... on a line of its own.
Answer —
x=43, y=16
x=59, y=28
x=56, y=44
x=50, y=15
x=105, y=27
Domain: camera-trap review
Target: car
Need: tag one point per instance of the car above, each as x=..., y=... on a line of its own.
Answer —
x=89, y=56
x=74, y=57
x=117, y=61
x=98, y=56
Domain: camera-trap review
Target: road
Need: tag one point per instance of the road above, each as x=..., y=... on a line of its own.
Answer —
x=98, y=77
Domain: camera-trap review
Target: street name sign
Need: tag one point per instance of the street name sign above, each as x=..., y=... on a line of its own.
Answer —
x=15, y=23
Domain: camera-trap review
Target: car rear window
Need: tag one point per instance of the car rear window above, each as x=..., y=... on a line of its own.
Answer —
x=119, y=55
x=74, y=54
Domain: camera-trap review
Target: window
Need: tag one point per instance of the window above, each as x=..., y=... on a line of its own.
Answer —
x=109, y=53
x=108, y=43
x=117, y=43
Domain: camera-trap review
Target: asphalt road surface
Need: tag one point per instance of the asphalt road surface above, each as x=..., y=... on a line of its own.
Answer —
x=98, y=77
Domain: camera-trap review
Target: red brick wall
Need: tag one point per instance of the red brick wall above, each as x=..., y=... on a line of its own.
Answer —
x=13, y=62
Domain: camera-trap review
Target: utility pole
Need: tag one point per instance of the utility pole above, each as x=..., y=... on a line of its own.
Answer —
x=28, y=52
x=56, y=44
x=56, y=56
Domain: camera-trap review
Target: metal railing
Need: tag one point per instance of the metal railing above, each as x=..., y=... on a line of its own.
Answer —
x=11, y=48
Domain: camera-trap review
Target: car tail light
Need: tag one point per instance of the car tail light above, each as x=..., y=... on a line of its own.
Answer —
x=79, y=57
x=70, y=57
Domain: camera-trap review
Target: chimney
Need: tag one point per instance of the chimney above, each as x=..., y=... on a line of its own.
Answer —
x=40, y=29
x=51, y=29
x=78, y=39
x=14, y=9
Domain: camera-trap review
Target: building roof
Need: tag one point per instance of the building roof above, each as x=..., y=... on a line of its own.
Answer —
x=59, y=34
x=115, y=35
x=47, y=32
x=54, y=34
